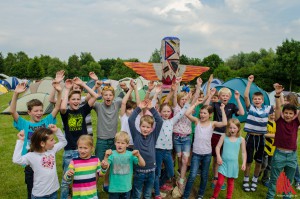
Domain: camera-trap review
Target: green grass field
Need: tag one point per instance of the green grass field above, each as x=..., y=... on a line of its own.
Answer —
x=12, y=175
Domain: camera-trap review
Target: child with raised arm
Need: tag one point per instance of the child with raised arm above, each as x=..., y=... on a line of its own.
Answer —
x=285, y=155
x=74, y=122
x=84, y=170
x=230, y=110
x=120, y=163
x=126, y=110
x=202, y=151
x=256, y=127
x=35, y=111
x=41, y=159
x=145, y=141
x=229, y=161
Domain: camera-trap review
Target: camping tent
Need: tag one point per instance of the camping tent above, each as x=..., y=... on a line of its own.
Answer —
x=3, y=89
x=5, y=83
x=22, y=107
x=42, y=86
x=215, y=82
x=240, y=84
x=141, y=83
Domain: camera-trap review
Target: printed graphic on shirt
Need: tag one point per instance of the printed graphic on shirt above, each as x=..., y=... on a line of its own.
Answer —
x=75, y=122
x=48, y=161
x=121, y=165
x=30, y=133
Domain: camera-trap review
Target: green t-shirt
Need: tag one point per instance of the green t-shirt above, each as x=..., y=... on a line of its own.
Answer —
x=121, y=171
x=195, y=114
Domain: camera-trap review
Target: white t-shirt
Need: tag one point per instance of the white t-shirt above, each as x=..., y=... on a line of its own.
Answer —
x=125, y=127
x=45, y=180
x=202, y=141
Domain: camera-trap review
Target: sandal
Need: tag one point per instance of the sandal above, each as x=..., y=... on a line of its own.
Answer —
x=253, y=186
x=246, y=186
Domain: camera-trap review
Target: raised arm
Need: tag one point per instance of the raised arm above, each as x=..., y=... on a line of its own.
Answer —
x=171, y=93
x=190, y=110
x=278, y=90
x=224, y=118
x=124, y=101
x=141, y=161
x=136, y=92
x=62, y=142
x=207, y=98
x=13, y=104
x=247, y=91
x=57, y=87
x=59, y=77
x=64, y=103
x=17, y=157
x=94, y=77
x=94, y=95
x=237, y=98
x=211, y=77
x=132, y=118
x=151, y=86
x=178, y=80
x=198, y=89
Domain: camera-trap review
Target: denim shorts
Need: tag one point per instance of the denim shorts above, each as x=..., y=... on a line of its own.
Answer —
x=182, y=144
x=103, y=145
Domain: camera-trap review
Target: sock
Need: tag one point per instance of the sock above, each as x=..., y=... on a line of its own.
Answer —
x=246, y=178
x=181, y=180
x=254, y=179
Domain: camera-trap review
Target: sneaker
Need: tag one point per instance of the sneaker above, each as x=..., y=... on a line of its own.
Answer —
x=163, y=195
x=166, y=187
x=200, y=197
x=105, y=188
x=223, y=187
x=297, y=186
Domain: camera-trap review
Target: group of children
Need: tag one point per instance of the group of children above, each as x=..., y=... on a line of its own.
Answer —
x=139, y=158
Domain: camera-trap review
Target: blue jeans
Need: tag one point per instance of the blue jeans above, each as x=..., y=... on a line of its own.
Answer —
x=163, y=156
x=282, y=161
x=204, y=162
x=125, y=195
x=140, y=181
x=297, y=175
x=102, y=145
x=67, y=157
x=182, y=144
x=50, y=196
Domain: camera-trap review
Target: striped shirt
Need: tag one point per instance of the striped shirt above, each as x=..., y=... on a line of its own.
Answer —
x=257, y=119
x=269, y=148
x=85, y=183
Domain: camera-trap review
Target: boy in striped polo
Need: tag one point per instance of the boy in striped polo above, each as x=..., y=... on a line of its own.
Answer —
x=256, y=127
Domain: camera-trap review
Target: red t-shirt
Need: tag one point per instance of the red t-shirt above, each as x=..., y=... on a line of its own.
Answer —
x=286, y=134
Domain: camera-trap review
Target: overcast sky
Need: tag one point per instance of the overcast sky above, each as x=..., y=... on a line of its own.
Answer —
x=134, y=28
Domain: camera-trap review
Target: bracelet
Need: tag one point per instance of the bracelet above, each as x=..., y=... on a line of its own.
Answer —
x=277, y=96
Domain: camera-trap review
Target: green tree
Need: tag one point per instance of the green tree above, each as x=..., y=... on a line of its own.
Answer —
x=183, y=59
x=55, y=64
x=9, y=62
x=73, y=67
x=92, y=66
x=212, y=61
x=107, y=65
x=223, y=72
x=155, y=57
x=35, y=69
x=1, y=63
x=19, y=68
x=119, y=70
x=86, y=58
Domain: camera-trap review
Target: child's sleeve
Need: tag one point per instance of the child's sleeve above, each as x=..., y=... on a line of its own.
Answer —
x=62, y=142
x=17, y=157
x=158, y=122
x=135, y=160
x=180, y=114
x=70, y=167
x=131, y=122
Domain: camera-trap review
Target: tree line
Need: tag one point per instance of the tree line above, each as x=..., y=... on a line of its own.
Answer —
x=268, y=66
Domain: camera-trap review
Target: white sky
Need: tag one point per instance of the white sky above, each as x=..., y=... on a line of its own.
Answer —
x=134, y=28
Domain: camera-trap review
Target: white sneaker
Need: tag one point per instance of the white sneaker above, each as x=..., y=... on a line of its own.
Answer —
x=163, y=195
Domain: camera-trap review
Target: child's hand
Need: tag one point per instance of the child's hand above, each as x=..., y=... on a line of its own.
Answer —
x=211, y=77
x=98, y=83
x=104, y=164
x=149, y=104
x=243, y=167
x=199, y=82
x=278, y=88
x=236, y=95
x=68, y=83
x=158, y=88
x=53, y=128
x=93, y=76
x=56, y=85
x=178, y=80
x=108, y=152
x=20, y=88
x=222, y=107
x=60, y=75
x=70, y=172
x=21, y=135
x=251, y=78
x=143, y=104
x=199, y=101
x=213, y=91
x=78, y=81
x=132, y=83
x=151, y=86
x=136, y=153
x=219, y=160
x=174, y=86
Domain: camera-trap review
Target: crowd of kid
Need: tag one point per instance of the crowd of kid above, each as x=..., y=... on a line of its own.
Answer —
x=139, y=158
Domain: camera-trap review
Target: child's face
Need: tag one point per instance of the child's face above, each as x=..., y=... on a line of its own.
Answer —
x=288, y=115
x=74, y=101
x=204, y=115
x=182, y=101
x=272, y=116
x=84, y=150
x=224, y=97
x=121, y=145
x=214, y=98
x=233, y=129
x=108, y=97
x=36, y=113
x=166, y=112
x=49, y=144
x=258, y=101
x=129, y=111
x=146, y=128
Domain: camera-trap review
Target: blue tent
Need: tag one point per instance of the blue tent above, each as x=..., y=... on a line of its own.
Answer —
x=213, y=84
x=5, y=83
x=240, y=84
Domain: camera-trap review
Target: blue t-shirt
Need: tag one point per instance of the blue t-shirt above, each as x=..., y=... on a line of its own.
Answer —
x=30, y=127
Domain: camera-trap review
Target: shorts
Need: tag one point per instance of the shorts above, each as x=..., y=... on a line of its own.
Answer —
x=182, y=145
x=214, y=142
x=103, y=145
x=255, y=143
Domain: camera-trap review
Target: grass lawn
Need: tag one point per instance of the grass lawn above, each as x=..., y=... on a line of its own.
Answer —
x=12, y=175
